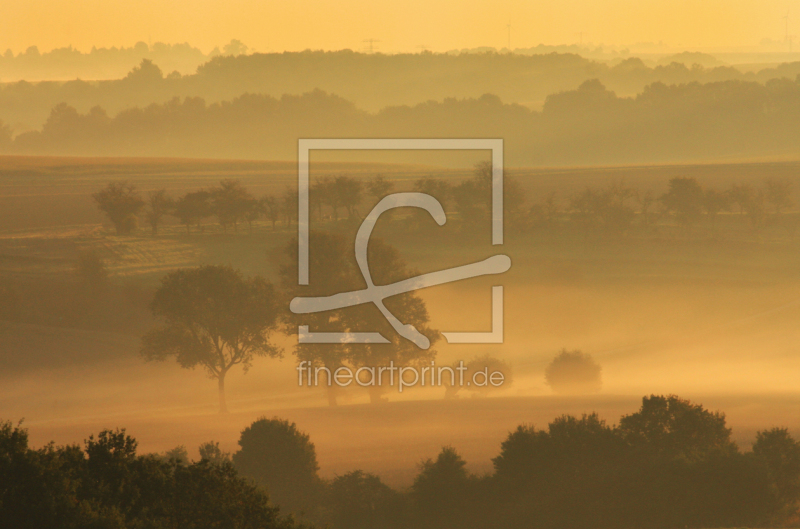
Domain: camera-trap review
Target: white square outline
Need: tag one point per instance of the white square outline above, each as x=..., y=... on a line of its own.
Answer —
x=306, y=145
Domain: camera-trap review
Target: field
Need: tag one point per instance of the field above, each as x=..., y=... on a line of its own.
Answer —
x=710, y=315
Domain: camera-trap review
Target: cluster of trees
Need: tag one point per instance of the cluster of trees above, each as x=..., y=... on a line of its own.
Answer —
x=215, y=318
x=611, y=210
x=671, y=464
x=106, y=485
x=230, y=203
x=617, y=208
x=588, y=125
x=233, y=204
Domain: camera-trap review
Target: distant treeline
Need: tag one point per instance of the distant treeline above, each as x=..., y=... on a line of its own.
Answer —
x=372, y=81
x=589, y=125
x=671, y=464
x=104, y=63
x=612, y=210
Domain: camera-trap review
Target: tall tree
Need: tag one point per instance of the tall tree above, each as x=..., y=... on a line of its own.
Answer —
x=215, y=318
x=281, y=458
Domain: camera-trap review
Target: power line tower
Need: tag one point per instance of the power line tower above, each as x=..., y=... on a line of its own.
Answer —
x=370, y=47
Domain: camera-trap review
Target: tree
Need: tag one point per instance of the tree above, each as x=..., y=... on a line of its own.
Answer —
x=348, y=193
x=440, y=490
x=714, y=202
x=231, y=202
x=780, y=453
x=253, y=211
x=573, y=372
x=331, y=271
x=386, y=267
x=278, y=456
x=271, y=208
x=671, y=427
x=192, y=208
x=215, y=318
x=158, y=205
x=121, y=203
x=359, y=500
x=685, y=200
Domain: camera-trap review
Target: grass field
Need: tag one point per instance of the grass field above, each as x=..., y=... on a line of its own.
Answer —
x=711, y=315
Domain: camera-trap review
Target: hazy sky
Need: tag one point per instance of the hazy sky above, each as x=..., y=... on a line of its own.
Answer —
x=401, y=25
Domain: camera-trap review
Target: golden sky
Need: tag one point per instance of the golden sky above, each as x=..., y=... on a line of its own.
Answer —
x=400, y=25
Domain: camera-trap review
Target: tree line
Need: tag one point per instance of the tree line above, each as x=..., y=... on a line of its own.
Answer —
x=382, y=80
x=588, y=125
x=669, y=465
x=615, y=209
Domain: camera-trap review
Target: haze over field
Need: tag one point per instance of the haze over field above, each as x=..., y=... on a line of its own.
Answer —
x=149, y=218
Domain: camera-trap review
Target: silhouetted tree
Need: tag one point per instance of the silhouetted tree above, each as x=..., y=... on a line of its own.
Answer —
x=440, y=490
x=359, y=500
x=780, y=453
x=121, y=203
x=281, y=458
x=215, y=318
x=676, y=428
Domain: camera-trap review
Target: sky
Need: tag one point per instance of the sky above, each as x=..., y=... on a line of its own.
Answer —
x=399, y=25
